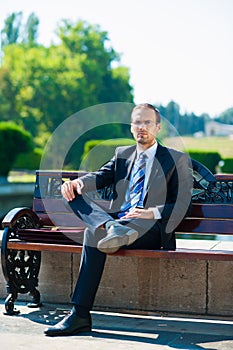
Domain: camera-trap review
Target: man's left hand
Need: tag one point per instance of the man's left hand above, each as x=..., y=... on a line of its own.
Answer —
x=139, y=213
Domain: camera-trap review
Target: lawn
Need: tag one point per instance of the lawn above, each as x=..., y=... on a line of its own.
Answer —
x=21, y=176
x=222, y=145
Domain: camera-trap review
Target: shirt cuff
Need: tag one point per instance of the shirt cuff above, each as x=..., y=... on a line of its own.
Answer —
x=156, y=212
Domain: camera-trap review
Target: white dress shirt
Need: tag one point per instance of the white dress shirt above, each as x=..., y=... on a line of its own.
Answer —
x=150, y=153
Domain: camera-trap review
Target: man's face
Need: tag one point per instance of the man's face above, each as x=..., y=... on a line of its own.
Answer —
x=144, y=127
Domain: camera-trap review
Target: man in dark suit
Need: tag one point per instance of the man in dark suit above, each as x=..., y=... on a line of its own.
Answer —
x=151, y=195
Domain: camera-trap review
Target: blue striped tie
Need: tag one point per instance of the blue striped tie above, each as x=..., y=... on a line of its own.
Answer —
x=136, y=185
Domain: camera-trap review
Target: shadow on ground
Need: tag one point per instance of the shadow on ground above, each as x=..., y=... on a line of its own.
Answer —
x=174, y=332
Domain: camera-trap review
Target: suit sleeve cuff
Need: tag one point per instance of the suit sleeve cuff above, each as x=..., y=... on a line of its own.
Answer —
x=156, y=212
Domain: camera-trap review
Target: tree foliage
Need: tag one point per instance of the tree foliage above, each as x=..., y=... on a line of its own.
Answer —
x=14, y=31
x=226, y=116
x=45, y=85
x=182, y=124
x=11, y=31
x=31, y=30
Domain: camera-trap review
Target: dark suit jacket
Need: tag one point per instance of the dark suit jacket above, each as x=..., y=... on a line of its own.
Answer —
x=169, y=185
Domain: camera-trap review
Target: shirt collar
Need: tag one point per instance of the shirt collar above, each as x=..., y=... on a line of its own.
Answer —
x=150, y=152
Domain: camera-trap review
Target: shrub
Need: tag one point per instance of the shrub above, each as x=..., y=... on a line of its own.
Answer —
x=13, y=141
x=98, y=152
x=208, y=158
x=228, y=166
x=29, y=160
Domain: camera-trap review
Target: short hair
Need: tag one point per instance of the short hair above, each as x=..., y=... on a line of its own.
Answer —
x=150, y=106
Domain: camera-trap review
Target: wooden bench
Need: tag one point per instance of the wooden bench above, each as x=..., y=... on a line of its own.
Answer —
x=48, y=226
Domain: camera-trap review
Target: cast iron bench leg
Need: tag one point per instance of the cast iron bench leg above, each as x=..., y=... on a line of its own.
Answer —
x=20, y=269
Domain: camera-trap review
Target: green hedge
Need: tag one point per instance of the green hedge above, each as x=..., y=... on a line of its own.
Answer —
x=29, y=161
x=208, y=158
x=98, y=152
x=228, y=166
x=13, y=141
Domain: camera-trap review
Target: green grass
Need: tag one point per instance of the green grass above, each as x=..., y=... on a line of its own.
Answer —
x=222, y=145
x=21, y=177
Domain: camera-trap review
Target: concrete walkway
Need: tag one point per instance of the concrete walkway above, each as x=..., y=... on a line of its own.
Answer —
x=114, y=331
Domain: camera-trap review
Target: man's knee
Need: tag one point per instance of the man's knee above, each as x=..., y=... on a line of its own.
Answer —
x=91, y=238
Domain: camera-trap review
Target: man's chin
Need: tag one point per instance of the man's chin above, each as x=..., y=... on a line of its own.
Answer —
x=142, y=141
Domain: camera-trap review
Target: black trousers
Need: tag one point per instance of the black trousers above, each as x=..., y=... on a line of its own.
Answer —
x=92, y=260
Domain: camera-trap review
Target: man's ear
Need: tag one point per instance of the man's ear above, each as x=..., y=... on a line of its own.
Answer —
x=159, y=127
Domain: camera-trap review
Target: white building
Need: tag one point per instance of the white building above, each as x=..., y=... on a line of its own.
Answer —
x=213, y=128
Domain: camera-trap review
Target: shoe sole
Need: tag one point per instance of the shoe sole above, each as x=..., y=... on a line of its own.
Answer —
x=113, y=245
x=60, y=333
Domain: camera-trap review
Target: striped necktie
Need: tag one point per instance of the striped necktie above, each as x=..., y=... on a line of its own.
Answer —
x=136, y=185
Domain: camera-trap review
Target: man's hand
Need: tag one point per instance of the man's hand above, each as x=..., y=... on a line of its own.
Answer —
x=69, y=188
x=139, y=213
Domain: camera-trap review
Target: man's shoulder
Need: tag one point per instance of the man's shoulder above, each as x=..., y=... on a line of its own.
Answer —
x=173, y=154
x=172, y=151
x=125, y=149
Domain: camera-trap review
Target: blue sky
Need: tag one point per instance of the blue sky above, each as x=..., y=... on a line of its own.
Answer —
x=179, y=50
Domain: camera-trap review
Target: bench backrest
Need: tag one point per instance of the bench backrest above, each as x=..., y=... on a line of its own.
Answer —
x=212, y=202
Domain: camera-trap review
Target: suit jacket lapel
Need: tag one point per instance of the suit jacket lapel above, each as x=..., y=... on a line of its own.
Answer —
x=158, y=165
x=129, y=163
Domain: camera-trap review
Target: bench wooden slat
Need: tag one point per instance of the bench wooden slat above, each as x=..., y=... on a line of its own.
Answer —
x=63, y=174
x=192, y=254
x=59, y=219
x=217, y=211
x=224, y=177
x=209, y=226
x=52, y=236
x=57, y=206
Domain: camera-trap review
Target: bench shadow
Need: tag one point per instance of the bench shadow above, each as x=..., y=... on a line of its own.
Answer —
x=172, y=339
x=177, y=334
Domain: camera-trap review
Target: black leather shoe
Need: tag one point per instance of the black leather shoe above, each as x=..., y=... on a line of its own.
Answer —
x=117, y=236
x=70, y=325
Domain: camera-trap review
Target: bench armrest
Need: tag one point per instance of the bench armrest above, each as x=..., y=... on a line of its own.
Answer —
x=16, y=213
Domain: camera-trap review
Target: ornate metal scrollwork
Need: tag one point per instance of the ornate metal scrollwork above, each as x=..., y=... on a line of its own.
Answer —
x=215, y=192
x=54, y=187
x=207, y=189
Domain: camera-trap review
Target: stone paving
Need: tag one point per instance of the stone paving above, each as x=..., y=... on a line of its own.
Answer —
x=114, y=331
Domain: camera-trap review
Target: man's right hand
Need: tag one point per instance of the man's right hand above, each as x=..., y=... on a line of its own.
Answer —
x=69, y=188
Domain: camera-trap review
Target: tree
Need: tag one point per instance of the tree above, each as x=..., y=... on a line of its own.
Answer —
x=15, y=32
x=31, y=29
x=13, y=141
x=11, y=31
x=45, y=85
x=226, y=116
x=97, y=57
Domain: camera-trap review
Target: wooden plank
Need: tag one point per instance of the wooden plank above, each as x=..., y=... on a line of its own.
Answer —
x=60, y=219
x=17, y=245
x=51, y=230
x=224, y=177
x=192, y=254
x=210, y=226
x=217, y=211
x=65, y=174
x=56, y=205
x=52, y=236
